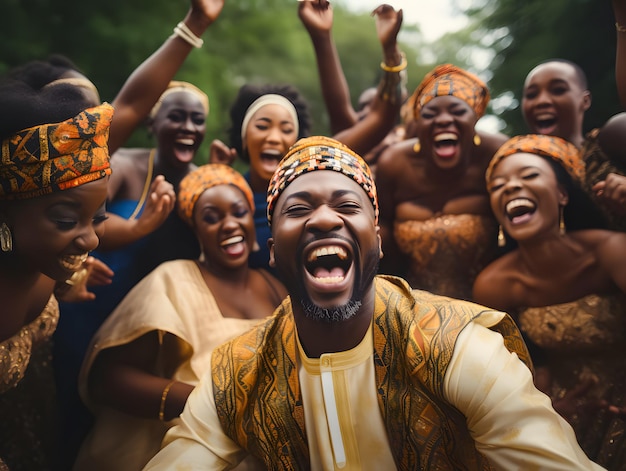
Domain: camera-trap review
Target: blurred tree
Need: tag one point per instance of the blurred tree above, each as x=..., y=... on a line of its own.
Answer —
x=256, y=41
x=522, y=34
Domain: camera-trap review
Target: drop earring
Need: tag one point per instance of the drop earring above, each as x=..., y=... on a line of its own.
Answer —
x=6, y=239
x=417, y=146
x=561, y=222
x=501, y=238
x=477, y=140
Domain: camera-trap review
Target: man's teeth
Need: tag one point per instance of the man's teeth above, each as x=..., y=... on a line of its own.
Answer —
x=330, y=279
x=331, y=250
x=232, y=240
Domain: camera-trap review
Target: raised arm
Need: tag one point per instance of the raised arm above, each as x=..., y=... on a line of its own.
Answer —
x=145, y=85
x=619, y=9
x=317, y=18
x=385, y=108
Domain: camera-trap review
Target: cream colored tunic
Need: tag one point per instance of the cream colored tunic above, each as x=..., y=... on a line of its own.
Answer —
x=512, y=423
x=173, y=299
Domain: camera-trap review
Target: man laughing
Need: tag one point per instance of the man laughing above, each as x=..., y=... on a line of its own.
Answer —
x=356, y=370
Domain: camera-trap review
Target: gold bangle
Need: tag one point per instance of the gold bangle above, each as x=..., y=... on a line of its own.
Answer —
x=163, y=399
x=620, y=28
x=395, y=68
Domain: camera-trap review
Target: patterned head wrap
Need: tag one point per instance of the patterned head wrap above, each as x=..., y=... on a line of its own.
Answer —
x=561, y=151
x=203, y=178
x=320, y=153
x=269, y=99
x=54, y=157
x=450, y=80
x=178, y=86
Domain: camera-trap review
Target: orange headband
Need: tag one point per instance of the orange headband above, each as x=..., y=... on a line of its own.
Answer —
x=561, y=151
x=54, y=157
x=450, y=80
x=320, y=153
x=203, y=178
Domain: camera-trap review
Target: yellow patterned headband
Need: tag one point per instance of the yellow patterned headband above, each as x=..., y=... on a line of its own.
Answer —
x=55, y=157
x=320, y=153
x=178, y=86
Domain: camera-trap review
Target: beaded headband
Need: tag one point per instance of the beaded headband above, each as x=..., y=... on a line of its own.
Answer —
x=320, y=153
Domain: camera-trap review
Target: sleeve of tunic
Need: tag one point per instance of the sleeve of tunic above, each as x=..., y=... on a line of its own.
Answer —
x=198, y=442
x=512, y=422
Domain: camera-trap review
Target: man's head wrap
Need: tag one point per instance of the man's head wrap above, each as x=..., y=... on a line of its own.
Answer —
x=269, y=99
x=450, y=80
x=320, y=153
x=207, y=176
x=559, y=150
x=178, y=86
x=55, y=157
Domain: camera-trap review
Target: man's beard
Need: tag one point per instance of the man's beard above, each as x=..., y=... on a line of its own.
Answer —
x=351, y=308
x=330, y=315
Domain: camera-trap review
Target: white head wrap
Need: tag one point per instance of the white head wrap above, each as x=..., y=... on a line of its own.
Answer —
x=269, y=99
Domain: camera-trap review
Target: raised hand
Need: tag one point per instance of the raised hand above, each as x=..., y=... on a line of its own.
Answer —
x=220, y=153
x=388, y=23
x=612, y=192
x=159, y=205
x=207, y=10
x=316, y=16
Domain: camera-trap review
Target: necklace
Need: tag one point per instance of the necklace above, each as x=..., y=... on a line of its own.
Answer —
x=146, y=185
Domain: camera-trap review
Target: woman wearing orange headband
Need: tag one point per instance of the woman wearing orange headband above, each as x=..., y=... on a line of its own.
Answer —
x=436, y=225
x=566, y=288
x=152, y=350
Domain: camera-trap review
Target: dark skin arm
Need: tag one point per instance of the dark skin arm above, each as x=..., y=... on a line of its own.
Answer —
x=146, y=84
x=160, y=202
x=619, y=9
x=317, y=18
x=367, y=133
x=122, y=378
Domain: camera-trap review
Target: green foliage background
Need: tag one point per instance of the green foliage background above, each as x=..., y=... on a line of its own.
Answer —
x=263, y=41
x=253, y=41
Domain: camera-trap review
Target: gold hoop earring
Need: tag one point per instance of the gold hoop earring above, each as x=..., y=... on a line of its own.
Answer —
x=561, y=222
x=6, y=239
x=477, y=140
x=417, y=146
x=501, y=238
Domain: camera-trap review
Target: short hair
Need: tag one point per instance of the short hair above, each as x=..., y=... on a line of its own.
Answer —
x=248, y=94
x=580, y=73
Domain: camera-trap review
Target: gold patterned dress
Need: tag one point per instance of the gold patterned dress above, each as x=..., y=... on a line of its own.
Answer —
x=587, y=339
x=27, y=395
x=447, y=251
